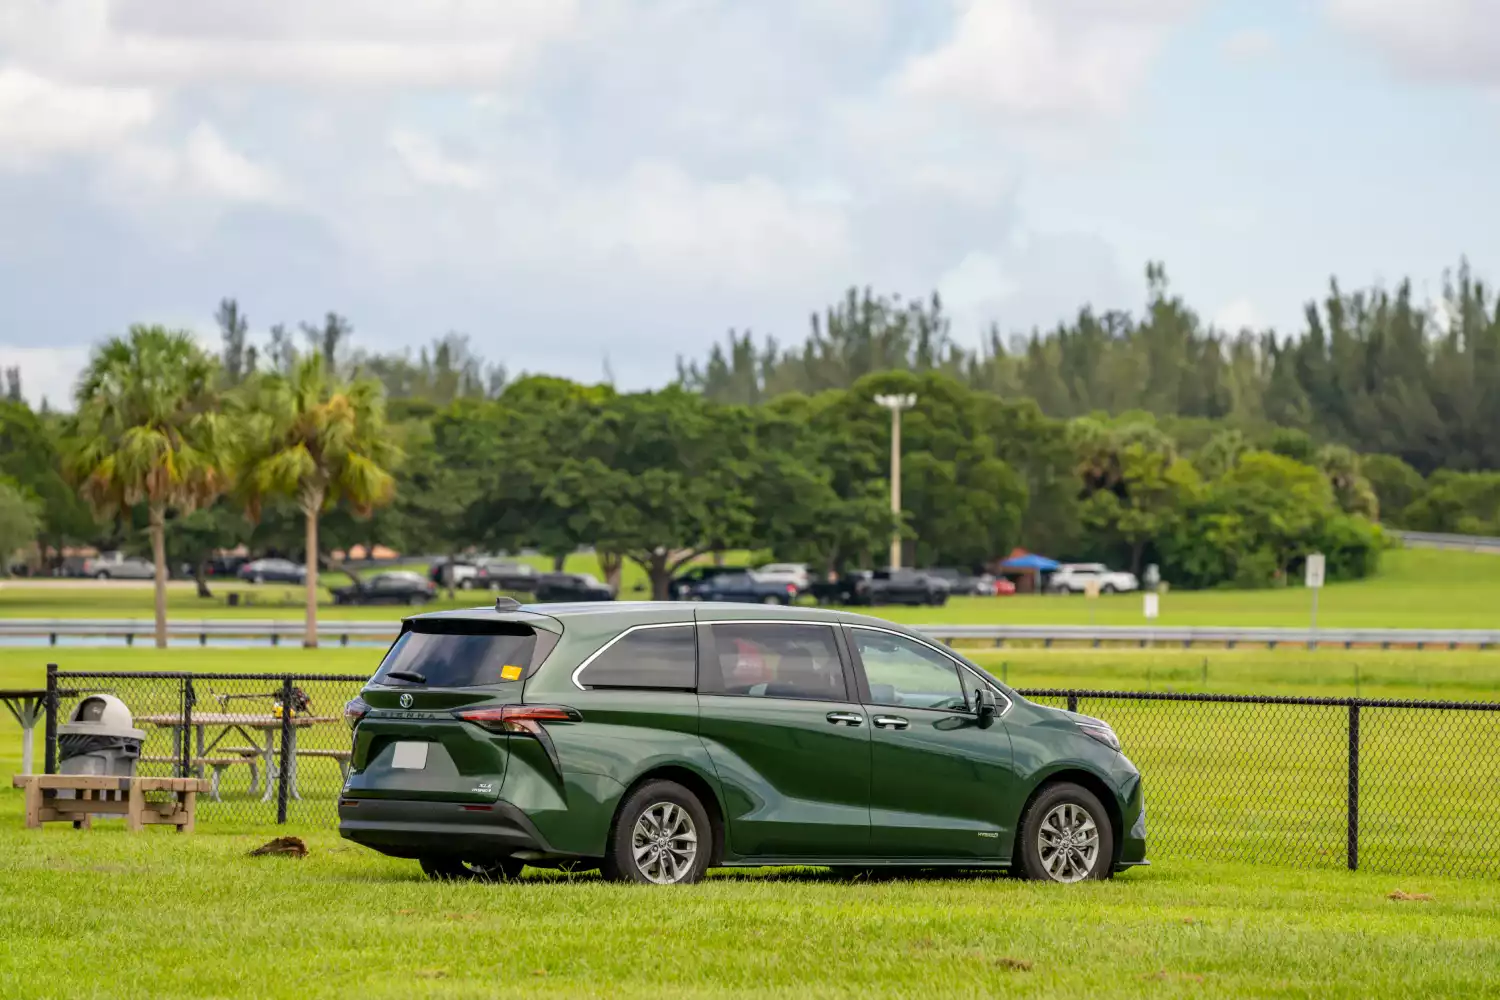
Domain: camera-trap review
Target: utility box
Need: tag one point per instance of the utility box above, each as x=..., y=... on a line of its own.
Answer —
x=99, y=738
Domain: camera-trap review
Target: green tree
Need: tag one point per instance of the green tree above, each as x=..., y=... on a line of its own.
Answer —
x=1397, y=486
x=18, y=522
x=149, y=431
x=31, y=455
x=319, y=441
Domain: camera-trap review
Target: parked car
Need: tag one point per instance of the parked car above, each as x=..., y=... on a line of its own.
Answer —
x=695, y=576
x=743, y=587
x=521, y=577
x=793, y=573
x=118, y=566
x=1004, y=587
x=964, y=583
x=464, y=572
x=654, y=741
x=877, y=587
x=226, y=565
x=394, y=587
x=273, y=570
x=559, y=587
x=1073, y=578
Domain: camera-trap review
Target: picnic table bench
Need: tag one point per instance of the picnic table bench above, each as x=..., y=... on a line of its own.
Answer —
x=109, y=794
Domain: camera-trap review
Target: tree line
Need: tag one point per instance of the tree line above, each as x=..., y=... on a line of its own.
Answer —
x=1224, y=459
x=1374, y=370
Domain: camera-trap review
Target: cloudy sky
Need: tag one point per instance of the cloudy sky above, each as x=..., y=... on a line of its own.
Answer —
x=570, y=180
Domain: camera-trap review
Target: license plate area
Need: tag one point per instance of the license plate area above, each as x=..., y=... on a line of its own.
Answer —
x=409, y=755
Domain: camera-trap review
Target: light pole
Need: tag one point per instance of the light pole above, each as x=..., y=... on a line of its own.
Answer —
x=896, y=403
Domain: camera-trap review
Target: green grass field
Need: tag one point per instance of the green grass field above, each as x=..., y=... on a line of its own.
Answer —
x=1416, y=588
x=104, y=914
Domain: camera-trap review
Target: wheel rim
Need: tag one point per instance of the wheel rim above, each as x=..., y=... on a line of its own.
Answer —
x=664, y=843
x=1068, y=842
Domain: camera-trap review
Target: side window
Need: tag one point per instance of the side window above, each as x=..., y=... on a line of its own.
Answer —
x=665, y=657
x=777, y=660
x=906, y=674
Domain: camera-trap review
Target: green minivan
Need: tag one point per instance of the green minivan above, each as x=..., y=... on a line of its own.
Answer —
x=657, y=740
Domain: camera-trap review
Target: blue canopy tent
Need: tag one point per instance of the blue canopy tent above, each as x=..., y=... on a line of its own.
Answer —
x=1028, y=568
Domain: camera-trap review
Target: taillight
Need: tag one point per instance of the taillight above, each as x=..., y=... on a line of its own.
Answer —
x=518, y=718
x=354, y=710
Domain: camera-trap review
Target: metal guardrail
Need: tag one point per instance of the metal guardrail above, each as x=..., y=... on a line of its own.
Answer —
x=274, y=631
x=1047, y=635
x=200, y=630
x=1438, y=540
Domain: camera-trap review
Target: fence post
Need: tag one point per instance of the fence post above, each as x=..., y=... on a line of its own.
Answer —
x=185, y=744
x=49, y=734
x=284, y=775
x=1072, y=701
x=1353, y=848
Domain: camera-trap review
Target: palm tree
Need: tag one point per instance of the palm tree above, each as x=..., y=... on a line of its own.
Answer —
x=149, y=430
x=318, y=440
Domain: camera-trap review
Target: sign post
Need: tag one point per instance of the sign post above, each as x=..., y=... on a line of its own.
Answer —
x=1316, y=566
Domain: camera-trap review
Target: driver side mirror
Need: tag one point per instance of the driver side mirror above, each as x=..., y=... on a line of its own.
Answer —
x=986, y=707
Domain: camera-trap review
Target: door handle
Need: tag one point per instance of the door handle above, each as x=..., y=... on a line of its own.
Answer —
x=891, y=722
x=846, y=718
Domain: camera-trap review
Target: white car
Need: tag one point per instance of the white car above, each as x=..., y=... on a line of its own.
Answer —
x=118, y=566
x=793, y=573
x=1073, y=578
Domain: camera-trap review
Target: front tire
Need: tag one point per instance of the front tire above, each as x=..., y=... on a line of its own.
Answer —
x=445, y=869
x=661, y=836
x=1066, y=836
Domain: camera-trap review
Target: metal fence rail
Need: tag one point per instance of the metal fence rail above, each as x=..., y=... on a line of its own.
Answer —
x=1439, y=540
x=1400, y=786
x=206, y=631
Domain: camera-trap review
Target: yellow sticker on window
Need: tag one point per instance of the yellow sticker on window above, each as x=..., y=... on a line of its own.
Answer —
x=510, y=672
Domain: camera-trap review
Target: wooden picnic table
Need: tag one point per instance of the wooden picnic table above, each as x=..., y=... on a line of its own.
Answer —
x=250, y=725
x=27, y=705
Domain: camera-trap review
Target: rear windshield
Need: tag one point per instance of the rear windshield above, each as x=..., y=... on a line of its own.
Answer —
x=443, y=654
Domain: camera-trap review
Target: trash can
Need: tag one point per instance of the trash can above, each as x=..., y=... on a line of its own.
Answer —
x=99, y=738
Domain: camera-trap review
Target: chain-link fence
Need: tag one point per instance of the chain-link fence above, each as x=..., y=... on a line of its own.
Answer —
x=1395, y=786
x=1388, y=785
x=275, y=747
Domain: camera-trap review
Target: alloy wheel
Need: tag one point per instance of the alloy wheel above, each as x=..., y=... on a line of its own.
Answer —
x=1068, y=842
x=664, y=843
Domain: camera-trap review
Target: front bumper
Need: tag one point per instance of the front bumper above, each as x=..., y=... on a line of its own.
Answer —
x=404, y=828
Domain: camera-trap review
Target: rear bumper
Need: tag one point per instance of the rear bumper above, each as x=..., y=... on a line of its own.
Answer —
x=404, y=828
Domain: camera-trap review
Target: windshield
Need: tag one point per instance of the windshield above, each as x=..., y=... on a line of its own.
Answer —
x=464, y=654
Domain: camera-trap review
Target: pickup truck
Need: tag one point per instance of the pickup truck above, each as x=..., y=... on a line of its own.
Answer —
x=883, y=586
x=118, y=566
x=742, y=587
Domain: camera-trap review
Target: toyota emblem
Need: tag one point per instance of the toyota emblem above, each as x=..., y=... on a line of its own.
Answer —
x=406, y=701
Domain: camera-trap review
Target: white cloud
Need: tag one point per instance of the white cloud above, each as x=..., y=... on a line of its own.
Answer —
x=40, y=118
x=344, y=43
x=1045, y=58
x=1238, y=315
x=1436, y=39
x=1250, y=45
x=203, y=167
x=426, y=162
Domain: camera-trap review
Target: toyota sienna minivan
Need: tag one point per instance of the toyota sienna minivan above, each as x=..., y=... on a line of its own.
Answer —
x=654, y=741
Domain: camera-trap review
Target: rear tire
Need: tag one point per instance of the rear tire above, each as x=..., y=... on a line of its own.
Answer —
x=661, y=835
x=1066, y=836
x=444, y=869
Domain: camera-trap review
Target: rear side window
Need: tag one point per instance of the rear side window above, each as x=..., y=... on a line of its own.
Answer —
x=777, y=660
x=655, y=657
x=452, y=653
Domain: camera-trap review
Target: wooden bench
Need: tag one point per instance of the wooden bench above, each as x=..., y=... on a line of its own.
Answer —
x=342, y=756
x=109, y=794
x=223, y=760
